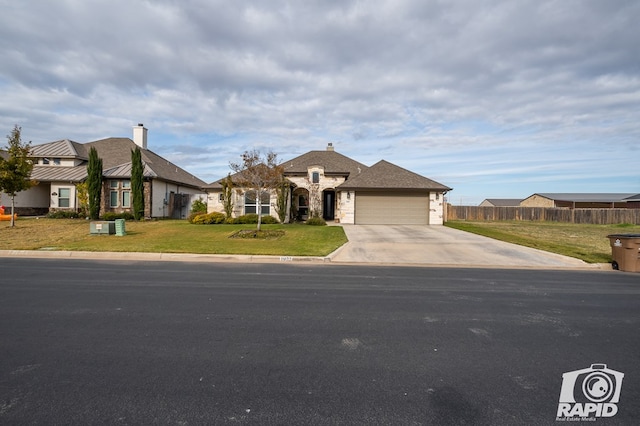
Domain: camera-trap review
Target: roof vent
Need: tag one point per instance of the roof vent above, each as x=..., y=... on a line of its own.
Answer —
x=330, y=147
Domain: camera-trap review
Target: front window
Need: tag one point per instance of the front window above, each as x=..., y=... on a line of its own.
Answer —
x=64, y=197
x=120, y=193
x=315, y=177
x=251, y=206
x=126, y=199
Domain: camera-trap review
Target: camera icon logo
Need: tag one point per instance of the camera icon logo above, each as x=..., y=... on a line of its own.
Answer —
x=590, y=392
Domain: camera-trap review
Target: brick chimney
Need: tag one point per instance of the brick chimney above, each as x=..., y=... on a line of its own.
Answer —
x=330, y=147
x=140, y=136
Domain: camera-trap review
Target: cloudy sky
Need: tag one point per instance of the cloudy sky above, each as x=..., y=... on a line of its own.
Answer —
x=497, y=99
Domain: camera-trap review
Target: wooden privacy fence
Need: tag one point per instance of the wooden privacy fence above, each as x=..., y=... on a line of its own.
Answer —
x=592, y=216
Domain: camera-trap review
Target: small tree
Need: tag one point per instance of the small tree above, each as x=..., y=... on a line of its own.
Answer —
x=83, y=198
x=137, y=184
x=227, y=195
x=198, y=206
x=282, y=198
x=94, y=183
x=15, y=170
x=260, y=173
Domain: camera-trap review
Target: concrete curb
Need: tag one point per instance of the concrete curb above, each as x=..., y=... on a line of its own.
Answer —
x=177, y=257
x=212, y=258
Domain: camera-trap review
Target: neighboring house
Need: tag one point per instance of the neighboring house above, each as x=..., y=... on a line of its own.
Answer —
x=633, y=202
x=501, y=202
x=60, y=165
x=580, y=200
x=335, y=187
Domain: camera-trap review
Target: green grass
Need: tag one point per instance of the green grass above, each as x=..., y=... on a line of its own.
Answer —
x=170, y=236
x=586, y=242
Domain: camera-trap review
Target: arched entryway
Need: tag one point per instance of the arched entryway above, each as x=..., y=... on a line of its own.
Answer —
x=300, y=204
x=328, y=204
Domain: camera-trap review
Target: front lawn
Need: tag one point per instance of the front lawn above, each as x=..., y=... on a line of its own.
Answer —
x=170, y=236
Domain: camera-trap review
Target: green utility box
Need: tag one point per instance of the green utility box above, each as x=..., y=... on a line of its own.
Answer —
x=102, y=227
x=120, y=229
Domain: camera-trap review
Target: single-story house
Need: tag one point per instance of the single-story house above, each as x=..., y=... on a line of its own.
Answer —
x=633, y=202
x=581, y=200
x=335, y=187
x=59, y=166
x=501, y=202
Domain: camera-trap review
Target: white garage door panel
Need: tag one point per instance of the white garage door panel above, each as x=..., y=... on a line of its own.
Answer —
x=392, y=209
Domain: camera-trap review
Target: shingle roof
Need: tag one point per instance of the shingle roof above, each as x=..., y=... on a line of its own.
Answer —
x=585, y=197
x=385, y=175
x=4, y=154
x=116, y=152
x=116, y=162
x=331, y=161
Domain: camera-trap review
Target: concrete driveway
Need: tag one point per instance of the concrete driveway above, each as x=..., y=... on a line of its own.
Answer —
x=440, y=245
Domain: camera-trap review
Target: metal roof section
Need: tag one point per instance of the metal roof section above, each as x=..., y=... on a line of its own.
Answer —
x=60, y=149
x=586, y=197
x=124, y=171
x=59, y=173
x=388, y=176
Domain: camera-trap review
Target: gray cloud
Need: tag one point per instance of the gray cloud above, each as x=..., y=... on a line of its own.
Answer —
x=377, y=75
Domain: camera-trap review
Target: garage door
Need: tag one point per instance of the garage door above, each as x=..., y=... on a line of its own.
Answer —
x=373, y=208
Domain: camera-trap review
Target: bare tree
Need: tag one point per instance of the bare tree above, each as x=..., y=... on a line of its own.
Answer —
x=258, y=172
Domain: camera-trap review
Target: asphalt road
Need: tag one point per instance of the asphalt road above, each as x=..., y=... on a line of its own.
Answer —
x=122, y=342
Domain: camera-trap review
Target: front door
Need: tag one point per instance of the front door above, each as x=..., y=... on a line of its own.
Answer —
x=328, y=205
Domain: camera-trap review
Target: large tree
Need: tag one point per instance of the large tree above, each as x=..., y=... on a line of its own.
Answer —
x=258, y=172
x=15, y=170
x=137, y=184
x=94, y=183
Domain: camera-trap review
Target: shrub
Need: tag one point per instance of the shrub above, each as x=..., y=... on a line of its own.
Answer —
x=316, y=221
x=269, y=220
x=253, y=218
x=63, y=214
x=247, y=218
x=208, y=219
x=113, y=216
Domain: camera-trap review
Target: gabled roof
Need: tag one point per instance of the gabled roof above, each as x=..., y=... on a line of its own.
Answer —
x=4, y=154
x=116, y=162
x=504, y=202
x=116, y=154
x=635, y=197
x=60, y=149
x=332, y=162
x=385, y=175
x=585, y=197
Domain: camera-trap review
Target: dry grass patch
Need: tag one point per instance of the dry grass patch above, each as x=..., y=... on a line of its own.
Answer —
x=582, y=241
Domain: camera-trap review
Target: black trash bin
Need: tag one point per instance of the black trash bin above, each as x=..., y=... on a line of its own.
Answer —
x=625, y=252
